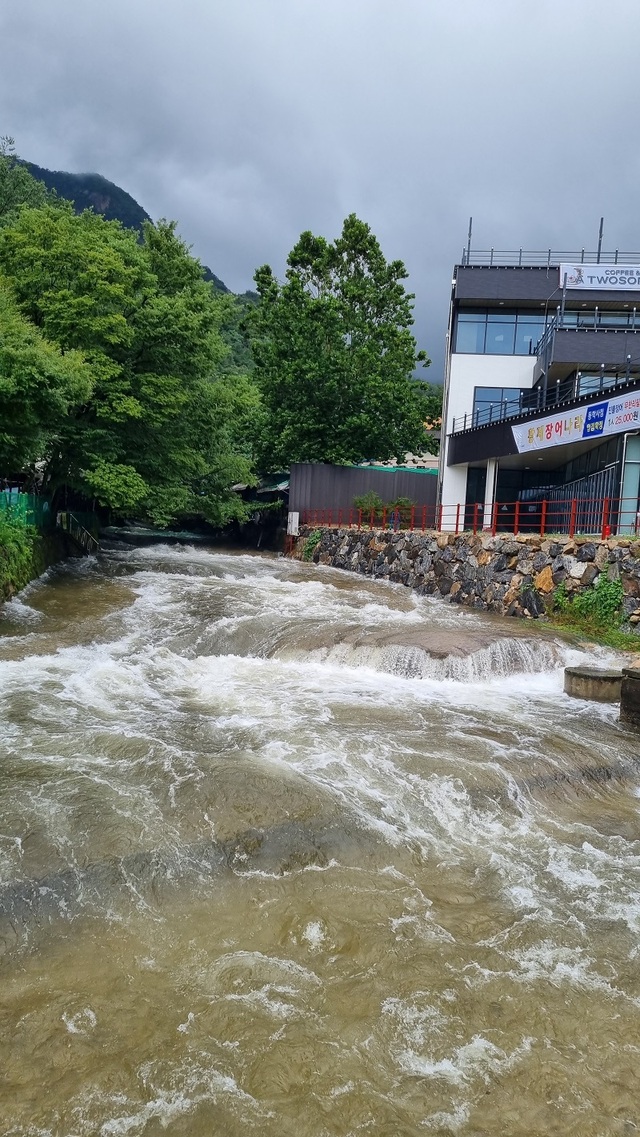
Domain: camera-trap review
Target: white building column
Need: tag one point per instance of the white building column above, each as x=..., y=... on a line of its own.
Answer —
x=453, y=496
x=490, y=492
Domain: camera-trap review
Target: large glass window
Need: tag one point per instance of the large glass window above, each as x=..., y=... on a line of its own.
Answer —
x=497, y=332
x=529, y=330
x=500, y=337
x=470, y=333
x=489, y=403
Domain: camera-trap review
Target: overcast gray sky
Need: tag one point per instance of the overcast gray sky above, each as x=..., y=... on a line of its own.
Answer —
x=251, y=120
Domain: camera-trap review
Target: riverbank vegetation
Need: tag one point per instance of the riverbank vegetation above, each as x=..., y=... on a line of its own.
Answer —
x=130, y=383
x=595, y=613
x=17, y=547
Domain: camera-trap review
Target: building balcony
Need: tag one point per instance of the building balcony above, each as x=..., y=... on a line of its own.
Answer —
x=588, y=343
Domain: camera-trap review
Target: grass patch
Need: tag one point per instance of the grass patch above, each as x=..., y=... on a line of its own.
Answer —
x=595, y=613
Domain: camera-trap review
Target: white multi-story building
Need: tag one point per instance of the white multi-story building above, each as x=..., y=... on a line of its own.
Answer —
x=542, y=392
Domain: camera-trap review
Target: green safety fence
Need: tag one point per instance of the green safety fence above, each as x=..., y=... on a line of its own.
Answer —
x=27, y=509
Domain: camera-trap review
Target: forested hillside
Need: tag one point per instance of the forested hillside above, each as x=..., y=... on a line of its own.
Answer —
x=92, y=191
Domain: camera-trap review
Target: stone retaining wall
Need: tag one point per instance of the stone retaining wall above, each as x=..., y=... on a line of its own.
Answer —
x=515, y=576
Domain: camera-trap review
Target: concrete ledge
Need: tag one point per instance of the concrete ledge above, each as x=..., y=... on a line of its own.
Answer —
x=630, y=696
x=597, y=683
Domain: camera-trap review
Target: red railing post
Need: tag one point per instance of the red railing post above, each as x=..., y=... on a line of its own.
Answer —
x=359, y=519
x=384, y=517
x=606, y=528
x=516, y=519
x=475, y=518
x=457, y=518
x=413, y=517
x=543, y=517
x=494, y=519
x=572, y=518
x=330, y=515
x=424, y=518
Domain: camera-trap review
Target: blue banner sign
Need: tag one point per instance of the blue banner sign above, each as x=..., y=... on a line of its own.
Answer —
x=596, y=421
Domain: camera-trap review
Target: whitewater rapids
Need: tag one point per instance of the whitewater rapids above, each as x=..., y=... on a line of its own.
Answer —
x=287, y=851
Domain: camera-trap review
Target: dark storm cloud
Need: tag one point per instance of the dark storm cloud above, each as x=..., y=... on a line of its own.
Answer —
x=250, y=121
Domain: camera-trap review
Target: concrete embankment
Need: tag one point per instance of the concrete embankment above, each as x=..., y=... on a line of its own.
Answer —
x=513, y=576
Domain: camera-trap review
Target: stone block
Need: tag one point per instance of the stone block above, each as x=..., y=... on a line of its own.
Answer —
x=544, y=580
x=587, y=551
x=590, y=574
x=597, y=683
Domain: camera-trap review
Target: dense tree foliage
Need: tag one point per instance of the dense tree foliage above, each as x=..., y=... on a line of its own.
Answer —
x=335, y=355
x=129, y=378
x=39, y=385
x=115, y=380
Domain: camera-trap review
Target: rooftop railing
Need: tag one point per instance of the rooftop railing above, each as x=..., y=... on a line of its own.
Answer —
x=544, y=258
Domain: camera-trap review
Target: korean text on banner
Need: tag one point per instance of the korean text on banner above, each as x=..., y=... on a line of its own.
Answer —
x=596, y=421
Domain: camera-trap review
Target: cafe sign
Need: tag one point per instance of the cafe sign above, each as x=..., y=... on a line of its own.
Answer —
x=603, y=278
x=600, y=419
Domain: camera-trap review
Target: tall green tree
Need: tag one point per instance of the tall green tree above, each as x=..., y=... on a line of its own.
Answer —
x=335, y=355
x=155, y=437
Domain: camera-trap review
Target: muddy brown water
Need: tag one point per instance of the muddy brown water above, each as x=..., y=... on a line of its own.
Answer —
x=287, y=852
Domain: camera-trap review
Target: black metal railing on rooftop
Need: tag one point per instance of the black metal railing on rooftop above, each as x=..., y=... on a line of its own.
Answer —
x=543, y=258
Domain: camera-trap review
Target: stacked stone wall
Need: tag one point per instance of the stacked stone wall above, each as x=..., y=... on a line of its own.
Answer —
x=514, y=576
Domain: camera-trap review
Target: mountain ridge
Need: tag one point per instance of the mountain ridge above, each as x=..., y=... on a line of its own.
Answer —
x=94, y=191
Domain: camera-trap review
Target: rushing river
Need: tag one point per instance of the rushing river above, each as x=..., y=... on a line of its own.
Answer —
x=287, y=852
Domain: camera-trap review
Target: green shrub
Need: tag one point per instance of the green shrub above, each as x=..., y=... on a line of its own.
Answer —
x=597, y=611
x=403, y=507
x=16, y=554
x=600, y=605
x=368, y=503
x=311, y=543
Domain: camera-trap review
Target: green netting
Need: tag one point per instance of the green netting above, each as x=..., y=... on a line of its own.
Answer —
x=27, y=509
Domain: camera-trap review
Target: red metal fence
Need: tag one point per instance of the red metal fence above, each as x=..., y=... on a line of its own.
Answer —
x=601, y=517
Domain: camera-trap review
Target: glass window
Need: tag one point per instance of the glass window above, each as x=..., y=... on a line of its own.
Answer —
x=500, y=338
x=613, y=319
x=470, y=336
x=488, y=394
x=528, y=331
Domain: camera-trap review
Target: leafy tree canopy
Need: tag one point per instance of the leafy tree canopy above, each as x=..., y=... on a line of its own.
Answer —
x=39, y=385
x=154, y=431
x=335, y=356
x=17, y=187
